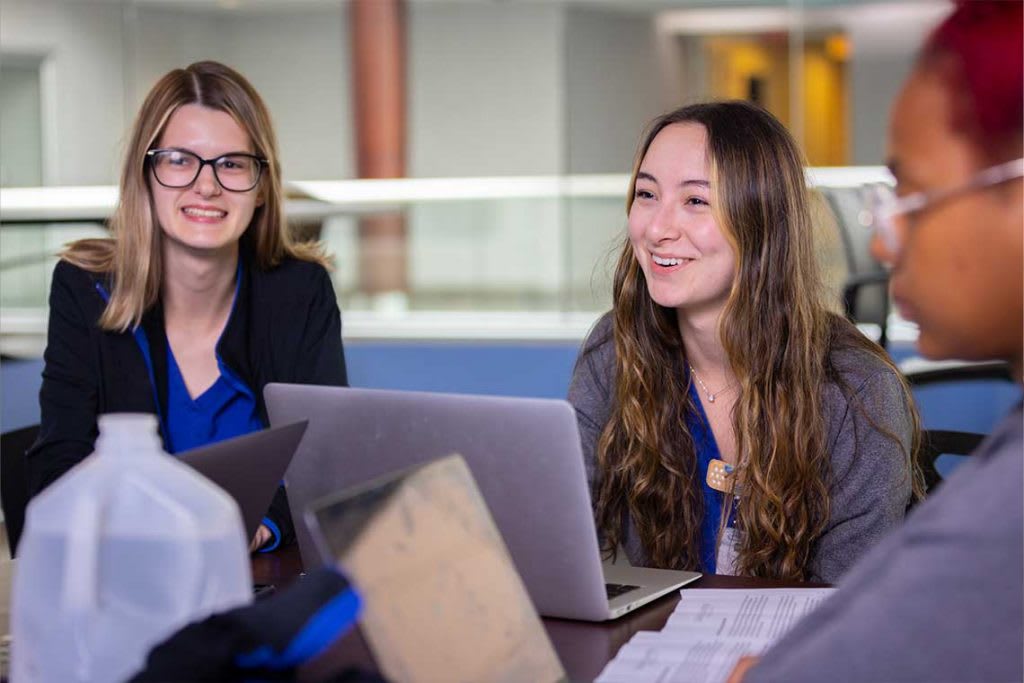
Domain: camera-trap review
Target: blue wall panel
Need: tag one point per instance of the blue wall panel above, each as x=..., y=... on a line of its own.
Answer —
x=518, y=369
x=533, y=369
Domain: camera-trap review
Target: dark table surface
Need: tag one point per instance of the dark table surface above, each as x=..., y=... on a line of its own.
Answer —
x=584, y=647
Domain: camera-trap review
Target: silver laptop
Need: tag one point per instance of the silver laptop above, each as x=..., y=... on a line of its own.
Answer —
x=525, y=456
x=248, y=467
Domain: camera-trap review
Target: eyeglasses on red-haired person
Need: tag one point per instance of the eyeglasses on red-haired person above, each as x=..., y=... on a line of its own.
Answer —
x=882, y=206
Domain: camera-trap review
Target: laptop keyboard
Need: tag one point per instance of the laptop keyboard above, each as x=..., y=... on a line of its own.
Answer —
x=614, y=590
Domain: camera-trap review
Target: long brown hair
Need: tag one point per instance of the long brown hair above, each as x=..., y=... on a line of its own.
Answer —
x=778, y=335
x=133, y=255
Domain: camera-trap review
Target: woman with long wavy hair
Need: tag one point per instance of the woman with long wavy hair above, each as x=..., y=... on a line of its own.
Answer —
x=198, y=299
x=730, y=421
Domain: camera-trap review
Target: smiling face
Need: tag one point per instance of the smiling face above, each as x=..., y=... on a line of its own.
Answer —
x=687, y=261
x=203, y=218
x=959, y=272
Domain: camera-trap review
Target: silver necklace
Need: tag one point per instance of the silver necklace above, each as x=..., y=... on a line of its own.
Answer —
x=711, y=396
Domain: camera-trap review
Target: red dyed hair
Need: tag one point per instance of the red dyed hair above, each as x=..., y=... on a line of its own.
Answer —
x=984, y=40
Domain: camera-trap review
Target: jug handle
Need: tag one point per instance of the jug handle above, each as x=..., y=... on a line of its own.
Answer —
x=81, y=562
x=191, y=556
x=82, y=557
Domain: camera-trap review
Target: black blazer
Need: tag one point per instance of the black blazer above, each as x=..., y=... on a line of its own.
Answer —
x=285, y=327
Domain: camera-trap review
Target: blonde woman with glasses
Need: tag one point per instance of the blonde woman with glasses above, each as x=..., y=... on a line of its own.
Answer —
x=198, y=299
x=731, y=423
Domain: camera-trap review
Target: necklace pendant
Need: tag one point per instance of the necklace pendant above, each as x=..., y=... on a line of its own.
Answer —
x=711, y=398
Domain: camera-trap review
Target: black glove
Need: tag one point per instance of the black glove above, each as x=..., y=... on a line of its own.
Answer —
x=266, y=640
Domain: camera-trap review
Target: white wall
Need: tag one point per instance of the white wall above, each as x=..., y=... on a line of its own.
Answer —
x=158, y=40
x=21, y=145
x=485, y=93
x=885, y=42
x=81, y=46
x=613, y=87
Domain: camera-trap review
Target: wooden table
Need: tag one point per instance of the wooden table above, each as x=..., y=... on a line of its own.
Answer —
x=584, y=647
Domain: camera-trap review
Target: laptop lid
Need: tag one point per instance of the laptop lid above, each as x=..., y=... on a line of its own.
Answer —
x=249, y=467
x=524, y=454
x=441, y=597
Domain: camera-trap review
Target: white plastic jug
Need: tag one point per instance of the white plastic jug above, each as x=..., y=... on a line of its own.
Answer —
x=120, y=552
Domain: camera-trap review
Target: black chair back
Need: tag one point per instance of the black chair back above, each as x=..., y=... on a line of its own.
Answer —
x=936, y=442
x=14, y=480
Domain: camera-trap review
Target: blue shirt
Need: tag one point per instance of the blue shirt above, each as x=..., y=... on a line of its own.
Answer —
x=225, y=410
x=707, y=450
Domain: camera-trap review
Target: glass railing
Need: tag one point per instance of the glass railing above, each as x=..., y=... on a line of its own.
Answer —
x=494, y=258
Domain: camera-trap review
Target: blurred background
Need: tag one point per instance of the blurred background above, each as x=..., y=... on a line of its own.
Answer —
x=519, y=98
x=465, y=161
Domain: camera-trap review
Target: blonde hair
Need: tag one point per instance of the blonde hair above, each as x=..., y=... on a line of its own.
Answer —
x=133, y=254
x=779, y=337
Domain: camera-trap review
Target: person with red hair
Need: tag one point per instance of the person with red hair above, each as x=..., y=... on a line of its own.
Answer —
x=941, y=598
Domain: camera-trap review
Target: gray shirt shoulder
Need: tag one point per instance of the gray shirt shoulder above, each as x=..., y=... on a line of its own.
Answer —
x=869, y=435
x=939, y=600
x=592, y=387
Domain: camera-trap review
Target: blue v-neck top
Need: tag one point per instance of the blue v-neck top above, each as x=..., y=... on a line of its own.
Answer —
x=225, y=410
x=707, y=450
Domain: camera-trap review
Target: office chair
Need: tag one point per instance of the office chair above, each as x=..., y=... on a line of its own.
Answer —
x=938, y=442
x=866, y=290
x=14, y=480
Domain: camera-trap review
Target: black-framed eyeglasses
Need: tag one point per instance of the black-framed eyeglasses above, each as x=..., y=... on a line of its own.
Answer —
x=178, y=168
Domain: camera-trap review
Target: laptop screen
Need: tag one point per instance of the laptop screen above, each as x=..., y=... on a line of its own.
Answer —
x=442, y=599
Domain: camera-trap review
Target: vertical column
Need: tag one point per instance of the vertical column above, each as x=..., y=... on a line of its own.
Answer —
x=378, y=67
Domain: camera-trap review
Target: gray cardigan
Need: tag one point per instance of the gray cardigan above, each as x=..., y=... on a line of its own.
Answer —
x=870, y=484
x=939, y=600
